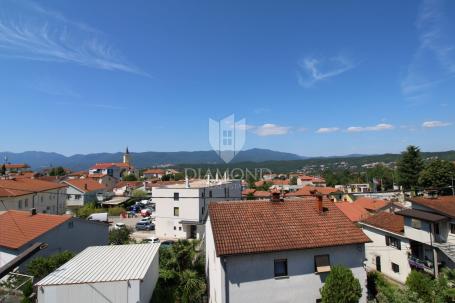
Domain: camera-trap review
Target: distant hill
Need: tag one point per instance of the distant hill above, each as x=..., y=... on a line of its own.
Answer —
x=39, y=160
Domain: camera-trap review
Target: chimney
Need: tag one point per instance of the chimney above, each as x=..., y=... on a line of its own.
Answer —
x=275, y=197
x=33, y=211
x=85, y=186
x=187, y=182
x=319, y=206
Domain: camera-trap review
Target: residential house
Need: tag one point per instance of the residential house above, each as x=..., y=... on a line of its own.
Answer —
x=353, y=211
x=390, y=249
x=181, y=208
x=116, y=170
x=126, y=188
x=269, y=177
x=303, y=180
x=278, y=250
x=104, y=274
x=329, y=192
x=154, y=173
x=19, y=230
x=26, y=193
x=16, y=167
x=77, y=174
x=171, y=171
x=108, y=181
x=82, y=191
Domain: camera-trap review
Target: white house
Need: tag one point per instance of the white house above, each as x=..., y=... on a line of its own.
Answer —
x=390, y=249
x=21, y=229
x=99, y=274
x=310, y=181
x=27, y=193
x=82, y=191
x=108, y=181
x=181, y=208
x=278, y=250
x=154, y=173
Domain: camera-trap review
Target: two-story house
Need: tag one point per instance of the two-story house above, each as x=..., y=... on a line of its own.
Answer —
x=181, y=208
x=82, y=191
x=279, y=250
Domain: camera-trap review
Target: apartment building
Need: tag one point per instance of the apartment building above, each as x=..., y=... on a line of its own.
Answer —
x=181, y=208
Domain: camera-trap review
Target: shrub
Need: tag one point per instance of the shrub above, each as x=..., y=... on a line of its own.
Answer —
x=341, y=286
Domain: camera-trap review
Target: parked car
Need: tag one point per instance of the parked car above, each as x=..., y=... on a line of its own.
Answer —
x=146, y=212
x=145, y=225
x=147, y=219
x=101, y=217
x=167, y=243
x=151, y=240
x=136, y=208
x=119, y=225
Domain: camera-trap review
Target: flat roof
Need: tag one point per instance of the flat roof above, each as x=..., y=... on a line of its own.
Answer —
x=105, y=264
x=423, y=215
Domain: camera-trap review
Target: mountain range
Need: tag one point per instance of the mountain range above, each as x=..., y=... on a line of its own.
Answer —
x=40, y=160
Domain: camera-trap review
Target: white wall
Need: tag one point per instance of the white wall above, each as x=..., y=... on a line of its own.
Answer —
x=251, y=277
x=388, y=254
x=147, y=286
x=214, y=268
x=51, y=202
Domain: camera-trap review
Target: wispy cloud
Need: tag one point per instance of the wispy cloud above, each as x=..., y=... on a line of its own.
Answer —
x=378, y=127
x=434, y=124
x=434, y=59
x=269, y=129
x=326, y=130
x=313, y=70
x=45, y=35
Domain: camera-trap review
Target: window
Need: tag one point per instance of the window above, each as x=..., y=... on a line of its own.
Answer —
x=210, y=193
x=436, y=228
x=281, y=267
x=322, y=263
x=42, y=199
x=180, y=228
x=175, y=228
x=176, y=196
x=77, y=197
x=392, y=241
x=395, y=267
x=452, y=228
x=416, y=223
x=227, y=137
x=19, y=204
x=176, y=211
x=202, y=212
x=26, y=203
x=70, y=224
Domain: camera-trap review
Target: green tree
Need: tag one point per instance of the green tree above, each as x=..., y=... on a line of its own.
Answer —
x=129, y=177
x=139, y=193
x=426, y=288
x=293, y=181
x=57, y=171
x=250, y=196
x=88, y=209
x=182, y=274
x=341, y=286
x=409, y=167
x=382, y=173
x=40, y=267
x=437, y=174
x=120, y=236
x=3, y=169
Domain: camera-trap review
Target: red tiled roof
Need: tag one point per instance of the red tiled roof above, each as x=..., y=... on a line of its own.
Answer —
x=387, y=221
x=23, y=186
x=108, y=165
x=133, y=184
x=280, y=182
x=444, y=205
x=78, y=173
x=20, y=227
x=85, y=185
x=16, y=166
x=371, y=204
x=248, y=191
x=259, y=183
x=156, y=171
x=352, y=211
x=312, y=179
x=307, y=191
x=96, y=176
x=27, y=174
x=262, y=193
x=265, y=226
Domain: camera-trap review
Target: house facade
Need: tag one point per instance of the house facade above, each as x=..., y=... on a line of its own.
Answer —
x=154, y=173
x=82, y=191
x=275, y=251
x=27, y=193
x=181, y=208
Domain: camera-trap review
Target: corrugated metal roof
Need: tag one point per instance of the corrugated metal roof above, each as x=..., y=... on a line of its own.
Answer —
x=104, y=264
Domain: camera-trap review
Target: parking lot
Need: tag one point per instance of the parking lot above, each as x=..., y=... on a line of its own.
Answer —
x=131, y=222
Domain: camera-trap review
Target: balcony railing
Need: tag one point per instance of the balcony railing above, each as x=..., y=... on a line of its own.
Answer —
x=424, y=265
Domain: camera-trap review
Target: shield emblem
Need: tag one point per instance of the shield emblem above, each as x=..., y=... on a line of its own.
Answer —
x=227, y=137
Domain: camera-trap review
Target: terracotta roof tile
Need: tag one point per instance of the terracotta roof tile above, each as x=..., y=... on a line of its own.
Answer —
x=85, y=185
x=111, y=164
x=20, y=227
x=262, y=193
x=16, y=166
x=307, y=191
x=387, y=221
x=23, y=186
x=353, y=211
x=371, y=204
x=264, y=226
x=157, y=171
x=443, y=204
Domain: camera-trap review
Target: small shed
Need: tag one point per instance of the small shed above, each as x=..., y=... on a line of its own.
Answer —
x=115, y=273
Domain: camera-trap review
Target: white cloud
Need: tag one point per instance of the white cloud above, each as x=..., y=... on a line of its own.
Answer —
x=434, y=124
x=269, y=129
x=313, y=70
x=434, y=59
x=49, y=36
x=325, y=130
x=378, y=127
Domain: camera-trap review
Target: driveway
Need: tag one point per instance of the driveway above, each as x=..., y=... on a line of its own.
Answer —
x=131, y=222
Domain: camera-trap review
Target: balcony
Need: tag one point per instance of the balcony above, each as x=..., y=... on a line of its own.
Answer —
x=425, y=265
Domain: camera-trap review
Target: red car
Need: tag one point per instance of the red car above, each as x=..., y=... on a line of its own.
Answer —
x=146, y=212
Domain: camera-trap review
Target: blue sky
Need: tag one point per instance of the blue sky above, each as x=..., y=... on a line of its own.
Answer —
x=310, y=77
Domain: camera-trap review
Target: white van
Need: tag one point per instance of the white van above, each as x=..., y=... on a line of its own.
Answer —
x=101, y=217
